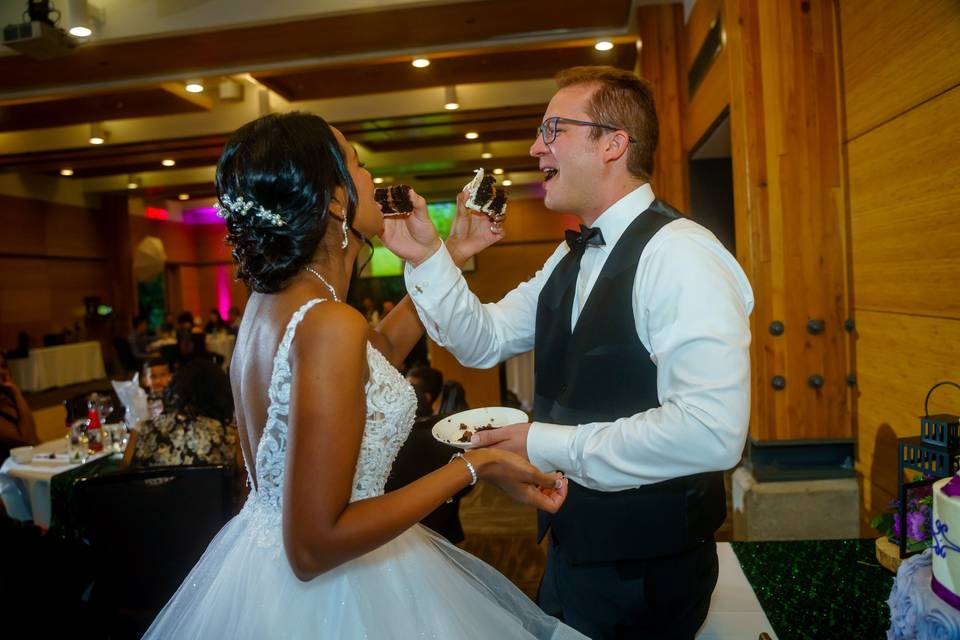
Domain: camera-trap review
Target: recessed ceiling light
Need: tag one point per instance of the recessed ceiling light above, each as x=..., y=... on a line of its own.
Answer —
x=183, y=196
x=420, y=63
x=66, y=172
x=378, y=181
x=133, y=183
x=81, y=32
x=603, y=45
x=168, y=162
x=472, y=135
x=486, y=155
x=498, y=171
x=507, y=182
x=194, y=86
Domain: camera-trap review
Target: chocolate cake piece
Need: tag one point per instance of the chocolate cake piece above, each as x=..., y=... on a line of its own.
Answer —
x=394, y=201
x=486, y=196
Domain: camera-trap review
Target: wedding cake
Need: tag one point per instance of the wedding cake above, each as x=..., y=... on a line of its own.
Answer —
x=946, y=537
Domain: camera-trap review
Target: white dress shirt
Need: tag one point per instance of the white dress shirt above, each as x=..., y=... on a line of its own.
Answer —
x=691, y=302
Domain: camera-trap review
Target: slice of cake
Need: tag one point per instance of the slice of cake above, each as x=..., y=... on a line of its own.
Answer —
x=486, y=196
x=394, y=201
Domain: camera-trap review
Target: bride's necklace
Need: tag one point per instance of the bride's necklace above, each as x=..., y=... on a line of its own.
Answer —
x=324, y=281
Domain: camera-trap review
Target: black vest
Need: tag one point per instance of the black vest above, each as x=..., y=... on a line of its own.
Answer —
x=600, y=373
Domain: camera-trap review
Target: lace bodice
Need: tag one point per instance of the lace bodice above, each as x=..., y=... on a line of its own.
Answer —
x=391, y=406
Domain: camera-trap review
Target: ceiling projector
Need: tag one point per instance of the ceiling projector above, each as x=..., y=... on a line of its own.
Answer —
x=38, y=39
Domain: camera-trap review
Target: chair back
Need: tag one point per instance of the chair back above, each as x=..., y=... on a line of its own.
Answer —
x=149, y=527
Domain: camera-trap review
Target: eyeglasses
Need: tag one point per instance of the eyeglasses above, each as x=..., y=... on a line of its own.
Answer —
x=548, y=128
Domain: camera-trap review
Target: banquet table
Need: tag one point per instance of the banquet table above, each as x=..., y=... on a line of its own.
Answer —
x=59, y=366
x=27, y=489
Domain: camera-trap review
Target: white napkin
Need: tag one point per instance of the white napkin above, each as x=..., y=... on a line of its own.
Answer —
x=134, y=398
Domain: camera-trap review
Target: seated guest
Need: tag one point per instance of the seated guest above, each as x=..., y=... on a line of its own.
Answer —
x=17, y=427
x=156, y=377
x=422, y=453
x=168, y=328
x=190, y=342
x=428, y=383
x=196, y=426
x=215, y=322
x=233, y=320
x=140, y=340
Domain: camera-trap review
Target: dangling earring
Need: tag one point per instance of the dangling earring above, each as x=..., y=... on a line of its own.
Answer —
x=346, y=238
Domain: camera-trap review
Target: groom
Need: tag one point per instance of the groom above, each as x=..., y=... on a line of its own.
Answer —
x=641, y=336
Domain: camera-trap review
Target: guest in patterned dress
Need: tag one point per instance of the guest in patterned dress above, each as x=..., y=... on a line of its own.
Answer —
x=196, y=426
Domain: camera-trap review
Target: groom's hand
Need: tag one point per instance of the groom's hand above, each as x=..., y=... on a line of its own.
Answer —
x=510, y=438
x=413, y=238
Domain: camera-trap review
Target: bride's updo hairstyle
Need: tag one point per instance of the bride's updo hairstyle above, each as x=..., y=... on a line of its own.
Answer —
x=276, y=180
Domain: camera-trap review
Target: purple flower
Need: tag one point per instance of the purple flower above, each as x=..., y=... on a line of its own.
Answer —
x=896, y=524
x=916, y=526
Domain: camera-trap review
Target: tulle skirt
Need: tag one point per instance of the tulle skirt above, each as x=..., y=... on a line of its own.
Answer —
x=416, y=586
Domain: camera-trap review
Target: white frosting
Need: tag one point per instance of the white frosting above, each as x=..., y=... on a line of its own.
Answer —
x=471, y=203
x=946, y=510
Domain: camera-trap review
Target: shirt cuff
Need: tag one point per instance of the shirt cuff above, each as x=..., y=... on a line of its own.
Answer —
x=436, y=274
x=550, y=447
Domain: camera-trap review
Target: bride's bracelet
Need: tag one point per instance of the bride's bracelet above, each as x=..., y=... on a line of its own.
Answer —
x=470, y=468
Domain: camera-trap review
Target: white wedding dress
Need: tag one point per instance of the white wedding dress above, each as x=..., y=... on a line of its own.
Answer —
x=415, y=586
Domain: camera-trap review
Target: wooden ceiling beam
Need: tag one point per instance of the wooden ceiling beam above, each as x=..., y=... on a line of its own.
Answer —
x=474, y=67
x=365, y=33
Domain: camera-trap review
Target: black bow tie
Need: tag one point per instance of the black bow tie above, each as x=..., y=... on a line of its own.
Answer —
x=587, y=236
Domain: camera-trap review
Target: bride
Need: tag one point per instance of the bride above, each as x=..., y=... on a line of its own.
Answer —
x=318, y=549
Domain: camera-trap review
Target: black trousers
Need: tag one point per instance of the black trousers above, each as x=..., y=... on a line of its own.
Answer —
x=666, y=597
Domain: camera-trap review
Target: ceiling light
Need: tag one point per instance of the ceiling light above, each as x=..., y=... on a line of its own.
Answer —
x=507, y=182
x=133, y=182
x=603, y=45
x=378, y=181
x=83, y=16
x=194, y=86
x=66, y=171
x=168, y=162
x=472, y=135
x=486, y=155
x=485, y=151
x=498, y=171
x=450, y=102
x=183, y=196
x=98, y=135
x=420, y=63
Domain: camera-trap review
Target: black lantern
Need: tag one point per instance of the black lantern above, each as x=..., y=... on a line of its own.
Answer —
x=935, y=454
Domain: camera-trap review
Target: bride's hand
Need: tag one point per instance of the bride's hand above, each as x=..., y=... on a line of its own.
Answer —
x=519, y=479
x=413, y=237
x=471, y=232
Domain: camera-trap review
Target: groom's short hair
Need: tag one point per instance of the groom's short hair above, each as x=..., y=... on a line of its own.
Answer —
x=623, y=100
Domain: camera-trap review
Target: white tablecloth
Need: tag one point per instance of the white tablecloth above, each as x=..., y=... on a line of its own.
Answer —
x=25, y=488
x=735, y=612
x=223, y=344
x=58, y=366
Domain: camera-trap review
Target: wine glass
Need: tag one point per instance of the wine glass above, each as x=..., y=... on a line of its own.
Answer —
x=104, y=407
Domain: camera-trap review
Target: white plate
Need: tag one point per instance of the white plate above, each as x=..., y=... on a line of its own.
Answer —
x=449, y=430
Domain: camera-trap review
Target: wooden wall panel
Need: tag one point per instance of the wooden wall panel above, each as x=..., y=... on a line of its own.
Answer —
x=901, y=64
x=896, y=54
x=790, y=215
x=899, y=358
x=905, y=211
x=661, y=63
